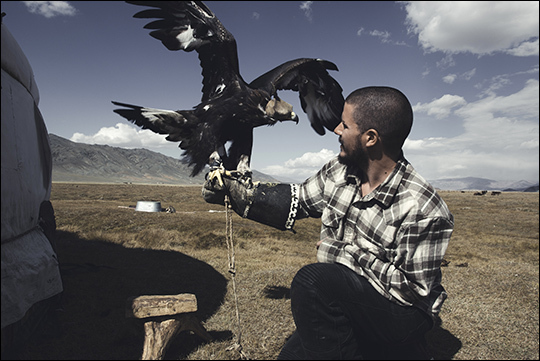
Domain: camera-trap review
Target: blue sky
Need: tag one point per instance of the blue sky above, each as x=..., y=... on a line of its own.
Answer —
x=470, y=70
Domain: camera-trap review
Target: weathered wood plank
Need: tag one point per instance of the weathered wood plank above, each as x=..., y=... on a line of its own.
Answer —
x=158, y=305
x=157, y=337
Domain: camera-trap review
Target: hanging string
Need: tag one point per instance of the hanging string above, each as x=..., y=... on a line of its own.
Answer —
x=232, y=270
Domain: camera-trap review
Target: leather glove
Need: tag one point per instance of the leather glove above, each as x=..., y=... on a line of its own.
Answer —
x=272, y=204
x=237, y=186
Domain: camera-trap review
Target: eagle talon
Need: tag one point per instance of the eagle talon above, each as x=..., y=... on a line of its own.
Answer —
x=216, y=174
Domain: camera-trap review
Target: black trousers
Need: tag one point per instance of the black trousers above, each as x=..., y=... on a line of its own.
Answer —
x=340, y=316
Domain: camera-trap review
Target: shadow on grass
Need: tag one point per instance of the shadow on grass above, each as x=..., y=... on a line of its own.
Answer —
x=441, y=344
x=277, y=292
x=98, y=278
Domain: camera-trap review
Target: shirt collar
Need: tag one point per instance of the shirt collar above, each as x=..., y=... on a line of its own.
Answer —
x=386, y=191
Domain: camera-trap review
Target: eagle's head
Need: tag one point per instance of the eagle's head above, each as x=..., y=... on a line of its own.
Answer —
x=280, y=110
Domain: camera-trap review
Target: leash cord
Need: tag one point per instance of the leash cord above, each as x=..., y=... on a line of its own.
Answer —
x=232, y=270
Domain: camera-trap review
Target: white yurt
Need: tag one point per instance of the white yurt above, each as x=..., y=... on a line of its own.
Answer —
x=30, y=272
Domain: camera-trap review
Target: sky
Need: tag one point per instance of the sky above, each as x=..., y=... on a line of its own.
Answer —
x=469, y=69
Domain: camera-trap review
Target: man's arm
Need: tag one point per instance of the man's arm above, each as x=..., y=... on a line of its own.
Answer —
x=273, y=204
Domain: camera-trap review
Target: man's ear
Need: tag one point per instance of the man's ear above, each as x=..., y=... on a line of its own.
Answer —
x=372, y=137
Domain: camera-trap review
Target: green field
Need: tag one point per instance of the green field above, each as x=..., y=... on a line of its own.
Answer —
x=108, y=253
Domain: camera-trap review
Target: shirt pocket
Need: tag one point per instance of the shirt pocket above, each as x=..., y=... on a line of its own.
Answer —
x=332, y=221
x=331, y=218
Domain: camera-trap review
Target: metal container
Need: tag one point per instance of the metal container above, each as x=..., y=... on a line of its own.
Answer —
x=146, y=206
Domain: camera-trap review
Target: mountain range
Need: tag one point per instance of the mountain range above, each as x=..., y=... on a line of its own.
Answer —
x=79, y=162
x=473, y=183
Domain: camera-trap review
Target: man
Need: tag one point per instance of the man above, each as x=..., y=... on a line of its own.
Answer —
x=375, y=290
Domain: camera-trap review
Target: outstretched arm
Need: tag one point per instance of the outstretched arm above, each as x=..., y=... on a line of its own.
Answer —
x=273, y=204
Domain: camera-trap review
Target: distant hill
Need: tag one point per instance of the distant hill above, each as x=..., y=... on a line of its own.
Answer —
x=79, y=162
x=473, y=183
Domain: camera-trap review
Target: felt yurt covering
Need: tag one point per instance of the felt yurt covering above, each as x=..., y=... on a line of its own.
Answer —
x=30, y=271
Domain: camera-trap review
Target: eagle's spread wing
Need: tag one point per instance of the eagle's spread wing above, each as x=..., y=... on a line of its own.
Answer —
x=191, y=25
x=320, y=94
x=159, y=121
x=195, y=137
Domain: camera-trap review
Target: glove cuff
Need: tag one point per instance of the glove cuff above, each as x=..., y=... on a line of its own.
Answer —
x=273, y=204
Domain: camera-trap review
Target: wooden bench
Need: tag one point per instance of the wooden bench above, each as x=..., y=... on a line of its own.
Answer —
x=164, y=317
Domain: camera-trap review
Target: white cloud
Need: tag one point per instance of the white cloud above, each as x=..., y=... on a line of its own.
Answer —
x=529, y=48
x=442, y=107
x=499, y=81
x=124, y=136
x=469, y=74
x=450, y=78
x=255, y=15
x=50, y=9
x=479, y=27
x=384, y=36
x=446, y=62
x=424, y=144
x=305, y=6
x=500, y=139
x=302, y=167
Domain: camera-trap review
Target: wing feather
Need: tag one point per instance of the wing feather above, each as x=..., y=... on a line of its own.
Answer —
x=188, y=26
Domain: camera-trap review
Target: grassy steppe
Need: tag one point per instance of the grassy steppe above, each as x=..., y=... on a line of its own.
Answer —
x=108, y=253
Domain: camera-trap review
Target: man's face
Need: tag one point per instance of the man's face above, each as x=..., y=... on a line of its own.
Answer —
x=351, y=151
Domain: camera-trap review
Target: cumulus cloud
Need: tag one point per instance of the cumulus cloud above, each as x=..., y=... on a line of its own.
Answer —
x=525, y=49
x=305, y=6
x=479, y=27
x=124, y=136
x=50, y=9
x=481, y=150
x=302, y=167
x=440, y=108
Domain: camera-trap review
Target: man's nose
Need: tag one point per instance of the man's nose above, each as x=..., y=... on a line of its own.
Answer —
x=338, y=129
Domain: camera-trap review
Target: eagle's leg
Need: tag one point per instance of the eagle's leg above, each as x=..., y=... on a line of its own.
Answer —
x=214, y=161
x=217, y=170
x=243, y=166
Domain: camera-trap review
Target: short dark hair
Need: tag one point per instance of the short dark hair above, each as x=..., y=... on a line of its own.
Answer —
x=384, y=109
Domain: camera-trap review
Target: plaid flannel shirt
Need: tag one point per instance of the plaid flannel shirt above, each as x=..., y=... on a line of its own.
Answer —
x=395, y=237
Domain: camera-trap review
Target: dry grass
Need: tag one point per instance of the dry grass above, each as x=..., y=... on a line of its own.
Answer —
x=109, y=253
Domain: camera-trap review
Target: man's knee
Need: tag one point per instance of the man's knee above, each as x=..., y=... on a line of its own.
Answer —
x=324, y=281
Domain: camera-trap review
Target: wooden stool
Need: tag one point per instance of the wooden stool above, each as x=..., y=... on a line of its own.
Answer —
x=165, y=317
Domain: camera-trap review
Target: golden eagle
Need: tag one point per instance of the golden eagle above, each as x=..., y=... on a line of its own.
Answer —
x=230, y=108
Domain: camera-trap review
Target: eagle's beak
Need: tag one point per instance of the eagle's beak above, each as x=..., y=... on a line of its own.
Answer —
x=294, y=117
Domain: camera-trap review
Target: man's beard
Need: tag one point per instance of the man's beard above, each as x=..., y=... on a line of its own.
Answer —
x=358, y=159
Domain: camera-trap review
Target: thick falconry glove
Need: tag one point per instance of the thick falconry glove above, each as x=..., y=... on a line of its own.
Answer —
x=272, y=204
